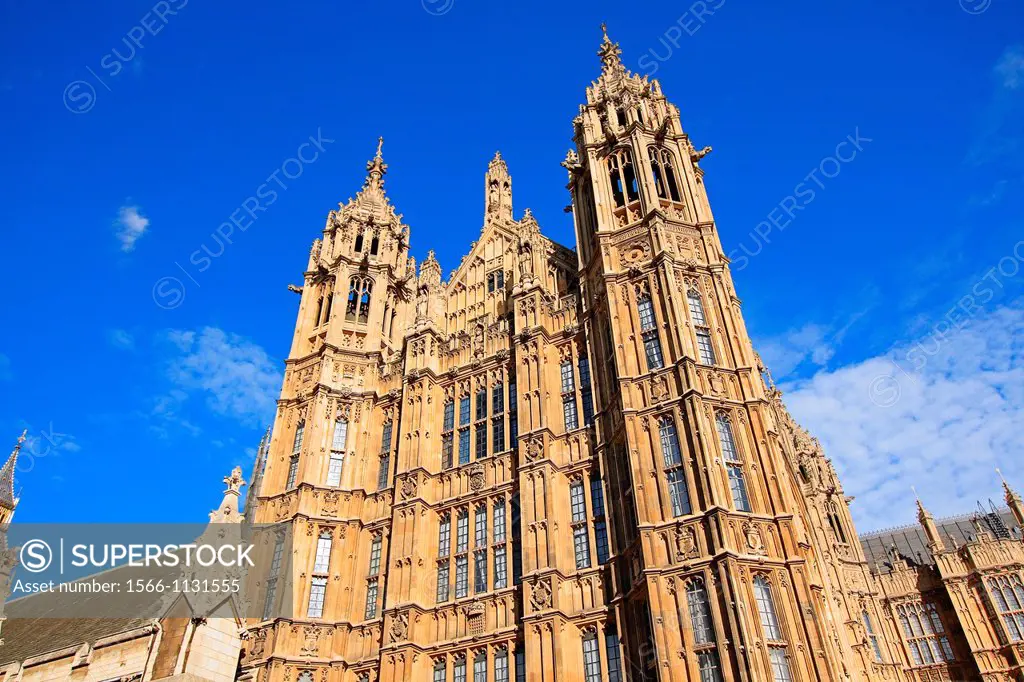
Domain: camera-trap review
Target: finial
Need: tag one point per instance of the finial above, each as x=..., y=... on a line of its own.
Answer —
x=610, y=54
x=376, y=167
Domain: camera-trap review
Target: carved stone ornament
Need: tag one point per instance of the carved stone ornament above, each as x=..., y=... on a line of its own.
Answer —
x=540, y=595
x=400, y=628
x=755, y=543
x=310, y=641
x=476, y=478
x=659, y=388
x=686, y=543
x=534, y=450
x=409, y=487
x=717, y=383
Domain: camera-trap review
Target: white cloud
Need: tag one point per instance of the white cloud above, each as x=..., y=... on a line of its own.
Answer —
x=238, y=377
x=130, y=226
x=784, y=353
x=944, y=426
x=119, y=338
x=1010, y=67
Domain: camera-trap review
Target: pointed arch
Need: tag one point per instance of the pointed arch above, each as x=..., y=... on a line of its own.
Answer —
x=359, y=291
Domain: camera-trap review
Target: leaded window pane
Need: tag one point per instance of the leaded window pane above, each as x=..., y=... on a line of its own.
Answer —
x=780, y=664
x=700, y=613
x=591, y=659
x=371, y=600
x=442, y=582
x=499, y=521
x=461, y=576
x=569, y=413
x=317, y=591
x=334, y=469
x=375, y=557
x=464, y=411
x=500, y=568
x=444, y=536
x=670, y=443
x=340, y=438
x=766, y=609
x=704, y=348
x=464, y=446
x=577, y=501
x=481, y=440
x=322, y=562
x=677, y=493
x=462, y=532
x=581, y=544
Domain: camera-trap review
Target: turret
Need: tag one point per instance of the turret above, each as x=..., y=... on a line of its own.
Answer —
x=8, y=500
x=1013, y=501
x=931, y=530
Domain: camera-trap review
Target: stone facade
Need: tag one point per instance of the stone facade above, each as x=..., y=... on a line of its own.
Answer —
x=567, y=466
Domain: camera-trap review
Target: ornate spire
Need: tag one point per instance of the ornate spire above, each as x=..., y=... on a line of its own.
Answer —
x=611, y=55
x=376, y=167
x=498, y=200
x=7, y=499
x=1013, y=500
x=935, y=543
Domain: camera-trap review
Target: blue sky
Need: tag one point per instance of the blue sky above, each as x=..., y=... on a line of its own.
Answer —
x=120, y=165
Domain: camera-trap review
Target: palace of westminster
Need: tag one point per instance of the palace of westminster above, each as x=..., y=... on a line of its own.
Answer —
x=557, y=465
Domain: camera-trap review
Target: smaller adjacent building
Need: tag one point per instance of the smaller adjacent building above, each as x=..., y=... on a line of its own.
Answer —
x=952, y=593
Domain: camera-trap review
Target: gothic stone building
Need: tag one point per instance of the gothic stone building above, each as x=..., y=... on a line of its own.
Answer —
x=565, y=465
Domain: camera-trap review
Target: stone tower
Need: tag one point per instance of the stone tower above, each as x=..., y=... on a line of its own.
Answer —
x=713, y=568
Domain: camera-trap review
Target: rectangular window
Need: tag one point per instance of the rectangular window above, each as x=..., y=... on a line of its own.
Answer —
x=334, y=468
x=501, y=667
x=520, y=663
x=498, y=398
x=384, y=473
x=340, y=437
x=293, y=471
x=440, y=672
x=569, y=413
x=322, y=562
x=780, y=664
x=652, y=349
x=480, y=668
x=601, y=540
x=498, y=435
x=597, y=493
x=442, y=582
x=271, y=595
x=481, y=403
x=480, y=527
x=317, y=591
x=677, y=493
x=707, y=662
x=447, y=448
x=375, y=557
x=513, y=414
x=586, y=395
x=591, y=659
x=462, y=532
x=696, y=309
x=480, y=571
x=646, y=314
x=611, y=648
x=464, y=411
x=385, y=439
x=481, y=440
x=444, y=536
x=300, y=432
x=738, y=486
x=581, y=544
x=371, y=600
x=568, y=379
x=577, y=501
x=670, y=450
x=500, y=568
x=704, y=348
x=449, y=415
x=499, y=521
x=460, y=670
x=464, y=446
x=461, y=576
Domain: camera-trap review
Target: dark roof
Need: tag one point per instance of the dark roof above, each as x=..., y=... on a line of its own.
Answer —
x=47, y=621
x=912, y=544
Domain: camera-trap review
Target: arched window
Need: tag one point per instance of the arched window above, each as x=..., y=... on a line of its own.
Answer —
x=924, y=633
x=663, y=169
x=623, y=177
x=836, y=523
x=872, y=637
x=322, y=563
x=737, y=482
x=359, y=242
x=640, y=114
x=766, y=609
x=700, y=612
x=591, y=657
x=359, y=291
x=705, y=349
x=374, y=245
x=1008, y=596
x=679, y=496
x=620, y=116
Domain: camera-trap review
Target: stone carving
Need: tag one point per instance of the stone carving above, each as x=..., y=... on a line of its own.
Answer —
x=400, y=628
x=476, y=478
x=540, y=595
x=755, y=543
x=686, y=544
